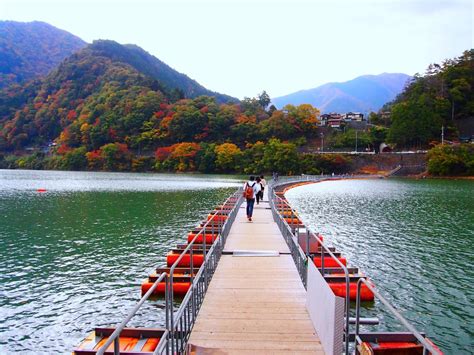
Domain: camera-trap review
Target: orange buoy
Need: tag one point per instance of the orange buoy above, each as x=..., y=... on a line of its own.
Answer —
x=328, y=261
x=179, y=288
x=41, y=190
x=339, y=289
x=198, y=259
x=150, y=345
x=210, y=238
x=217, y=217
x=391, y=348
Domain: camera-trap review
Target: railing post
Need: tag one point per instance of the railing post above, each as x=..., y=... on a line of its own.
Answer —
x=307, y=242
x=117, y=345
x=359, y=283
x=204, y=249
x=322, y=260
x=167, y=308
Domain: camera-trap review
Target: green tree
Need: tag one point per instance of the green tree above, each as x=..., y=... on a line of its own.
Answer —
x=75, y=159
x=415, y=123
x=116, y=156
x=304, y=118
x=206, y=158
x=280, y=157
x=264, y=99
x=449, y=160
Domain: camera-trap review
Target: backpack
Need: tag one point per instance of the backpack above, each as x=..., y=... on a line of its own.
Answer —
x=248, y=192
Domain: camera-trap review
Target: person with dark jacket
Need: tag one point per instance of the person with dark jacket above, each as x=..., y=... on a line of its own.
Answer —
x=251, y=188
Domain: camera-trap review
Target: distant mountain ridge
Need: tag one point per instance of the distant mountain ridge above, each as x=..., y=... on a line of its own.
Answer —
x=362, y=94
x=29, y=50
x=32, y=49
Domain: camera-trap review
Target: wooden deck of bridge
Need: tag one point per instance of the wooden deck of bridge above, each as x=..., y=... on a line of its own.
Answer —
x=255, y=304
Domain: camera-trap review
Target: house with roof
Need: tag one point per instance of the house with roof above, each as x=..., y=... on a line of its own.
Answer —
x=354, y=116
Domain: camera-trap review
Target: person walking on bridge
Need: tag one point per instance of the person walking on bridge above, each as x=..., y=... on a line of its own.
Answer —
x=263, y=183
x=251, y=189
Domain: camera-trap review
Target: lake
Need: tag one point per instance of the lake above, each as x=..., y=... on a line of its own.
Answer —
x=413, y=238
x=74, y=257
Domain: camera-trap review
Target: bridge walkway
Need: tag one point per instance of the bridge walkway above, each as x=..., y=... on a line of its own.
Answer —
x=255, y=304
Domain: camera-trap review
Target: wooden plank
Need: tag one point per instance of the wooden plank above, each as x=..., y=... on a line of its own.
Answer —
x=255, y=304
x=215, y=351
x=257, y=264
x=297, y=326
x=268, y=313
x=260, y=345
x=255, y=336
x=248, y=283
x=223, y=306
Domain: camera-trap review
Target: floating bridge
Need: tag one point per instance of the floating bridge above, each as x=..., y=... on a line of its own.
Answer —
x=267, y=286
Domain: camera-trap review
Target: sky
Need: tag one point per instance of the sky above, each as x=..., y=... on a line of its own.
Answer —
x=242, y=47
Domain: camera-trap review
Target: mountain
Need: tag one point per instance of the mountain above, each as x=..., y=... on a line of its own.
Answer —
x=107, y=88
x=151, y=66
x=362, y=94
x=29, y=50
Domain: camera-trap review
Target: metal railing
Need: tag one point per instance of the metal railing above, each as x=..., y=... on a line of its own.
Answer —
x=179, y=324
x=182, y=322
x=114, y=337
x=280, y=209
x=427, y=346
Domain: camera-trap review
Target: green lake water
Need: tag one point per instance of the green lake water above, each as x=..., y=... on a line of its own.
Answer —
x=413, y=238
x=74, y=257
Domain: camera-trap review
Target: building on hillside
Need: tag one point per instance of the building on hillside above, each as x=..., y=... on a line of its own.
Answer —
x=385, y=115
x=335, y=120
x=354, y=116
x=323, y=119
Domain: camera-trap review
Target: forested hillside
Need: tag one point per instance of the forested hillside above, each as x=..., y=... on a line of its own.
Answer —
x=443, y=97
x=114, y=107
x=97, y=111
x=32, y=49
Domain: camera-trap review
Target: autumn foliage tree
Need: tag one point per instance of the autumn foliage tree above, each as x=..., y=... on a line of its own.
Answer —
x=228, y=157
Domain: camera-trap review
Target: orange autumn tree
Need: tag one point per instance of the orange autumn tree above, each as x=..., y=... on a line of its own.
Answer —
x=183, y=156
x=305, y=118
x=110, y=157
x=94, y=160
